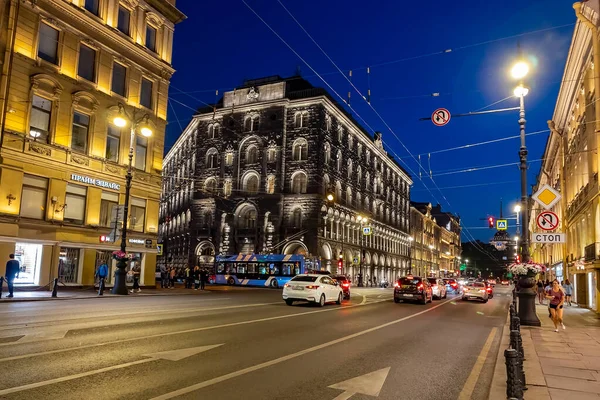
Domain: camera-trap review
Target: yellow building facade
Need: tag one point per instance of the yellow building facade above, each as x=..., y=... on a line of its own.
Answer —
x=571, y=162
x=68, y=67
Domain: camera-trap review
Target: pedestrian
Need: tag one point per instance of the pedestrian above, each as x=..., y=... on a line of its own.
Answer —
x=172, y=277
x=557, y=298
x=540, y=291
x=196, y=277
x=102, y=274
x=568, y=291
x=12, y=272
x=135, y=273
x=188, y=277
x=164, y=277
x=203, y=277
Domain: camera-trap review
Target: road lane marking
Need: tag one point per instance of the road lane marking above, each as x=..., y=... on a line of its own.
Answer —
x=364, y=300
x=172, y=355
x=467, y=390
x=279, y=360
x=157, y=335
x=369, y=384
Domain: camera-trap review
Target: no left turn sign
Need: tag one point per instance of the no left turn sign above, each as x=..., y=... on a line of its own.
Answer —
x=440, y=117
x=547, y=221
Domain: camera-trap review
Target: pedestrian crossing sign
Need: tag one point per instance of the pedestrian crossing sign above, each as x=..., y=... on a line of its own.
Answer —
x=159, y=249
x=501, y=224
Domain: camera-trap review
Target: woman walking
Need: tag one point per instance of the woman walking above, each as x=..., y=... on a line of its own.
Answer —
x=196, y=275
x=540, y=291
x=568, y=291
x=557, y=298
x=172, y=278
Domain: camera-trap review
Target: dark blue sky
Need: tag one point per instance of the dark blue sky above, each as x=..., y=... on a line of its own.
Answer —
x=223, y=42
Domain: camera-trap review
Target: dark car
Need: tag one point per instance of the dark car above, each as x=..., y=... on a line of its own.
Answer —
x=344, y=283
x=413, y=288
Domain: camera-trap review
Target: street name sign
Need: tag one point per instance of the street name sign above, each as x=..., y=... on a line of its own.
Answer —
x=502, y=224
x=547, y=221
x=548, y=238
x=547, y=196
x=440, y=117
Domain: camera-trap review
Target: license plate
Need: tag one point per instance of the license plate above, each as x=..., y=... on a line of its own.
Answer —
x=407, y=295
x=298, y=287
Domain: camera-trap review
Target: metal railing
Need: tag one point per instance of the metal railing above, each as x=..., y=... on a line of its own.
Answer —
x=514, y=356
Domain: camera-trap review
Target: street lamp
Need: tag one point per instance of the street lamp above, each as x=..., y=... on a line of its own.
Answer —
x=121, y=120
x=518, y=211
x=329, y=197
x=362, y=221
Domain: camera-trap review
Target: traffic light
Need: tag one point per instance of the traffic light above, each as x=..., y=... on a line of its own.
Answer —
x=518, y=259
x=491, y=222
x=340, y=264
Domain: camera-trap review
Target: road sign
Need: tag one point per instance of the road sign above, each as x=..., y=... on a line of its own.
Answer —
x=369, y=384
x=367, y=230
x=547, y=221
x=159, y=249
x=548, y=238
x=355, y=260
x=440, y=117
x=546, y=197
x=501, y=224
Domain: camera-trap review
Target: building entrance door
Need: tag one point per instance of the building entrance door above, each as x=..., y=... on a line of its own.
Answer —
x=29, y=256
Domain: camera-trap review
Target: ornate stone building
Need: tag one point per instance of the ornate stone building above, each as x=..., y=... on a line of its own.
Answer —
x=435, y=237
x=68, y=66
x=253, y=174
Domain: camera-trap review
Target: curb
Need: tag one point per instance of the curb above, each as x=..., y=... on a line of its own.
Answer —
x=498, y=386
x=109, y=296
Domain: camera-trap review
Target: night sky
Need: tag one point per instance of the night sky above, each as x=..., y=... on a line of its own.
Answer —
x=223, y=42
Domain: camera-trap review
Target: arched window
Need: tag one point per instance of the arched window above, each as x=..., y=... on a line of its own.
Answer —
x=359, y=150
x=297, y=218
x=300, y=150
x=368, y=156
x=251, y=154
x=246, y=217
x=338, y=190
x=350, y=141
x=375, y=163
x=271, y=155
x=300, y=119
x=349, y=168
x=229, y=158
x=326, y=182
x=251, y=123
x=211, y=131
x=327, y=153
x=367, y=177
x=367, y=205
x=358, y=200
x=270, y=184
x=299, y=182
x=251, y=183
x=339, y=161
x=358, y=174
x=212, y=158
x=348, y=196
x=328, y=122
x=210, y=186
x=227, y=188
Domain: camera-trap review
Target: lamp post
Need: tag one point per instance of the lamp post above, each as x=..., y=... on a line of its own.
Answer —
x=361, y=220
x=121, y=120
x=518, y=211
x=412, y=254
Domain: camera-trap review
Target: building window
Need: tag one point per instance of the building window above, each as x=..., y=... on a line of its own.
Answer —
x=68, y=264
x=87, y=63
x=328, y=122
x=119, y=76
x=299, y=182
x=271, y=155
x=229, y=159
x=146, y=93
x=251, y=184
x=39, y=121
x=340, y=133
x=75, y=203
x=358, y=174
x=349, y=169
x=141, y=148
x=297, y=218
x=251, y=155
x=138, y=214
x=339, y=161
x=270, y=184
x=227, y=188
x=48, y=44
x=212, y=158
x=300, y=119
x=33, y=197
x=113, y=142
x=92, y=6
x=108, y=203
x=327, y=153
x=300, y=150
x=212, y=129
x=348, y=196
x=81, y=127
x=210, y=186
x=124, y=20
x=251, y=124
x=151, y=37
x=247, y=217
x=359, y=150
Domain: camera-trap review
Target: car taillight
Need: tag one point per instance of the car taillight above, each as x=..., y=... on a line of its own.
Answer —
x=466, y=289
x=396, y=284
x=453, y=285
x=286, y=285
x=489, y=289
x=420, y=287
x=312, y=287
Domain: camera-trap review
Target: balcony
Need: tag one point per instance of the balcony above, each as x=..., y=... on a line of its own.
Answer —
x=592, y=251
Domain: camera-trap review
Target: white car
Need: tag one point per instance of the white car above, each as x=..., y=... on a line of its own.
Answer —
x=313, y=288
x=475, y=290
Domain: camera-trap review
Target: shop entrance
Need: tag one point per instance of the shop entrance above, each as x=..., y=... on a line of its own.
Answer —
x=29, y=256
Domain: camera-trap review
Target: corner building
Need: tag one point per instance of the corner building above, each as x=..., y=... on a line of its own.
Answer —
x=67, y=66
x=252, y=175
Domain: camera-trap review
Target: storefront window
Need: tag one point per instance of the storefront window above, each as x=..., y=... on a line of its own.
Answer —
x=68, y=265
x=30, y=259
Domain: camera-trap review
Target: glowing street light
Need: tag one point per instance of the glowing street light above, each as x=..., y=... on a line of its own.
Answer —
x=519, y=70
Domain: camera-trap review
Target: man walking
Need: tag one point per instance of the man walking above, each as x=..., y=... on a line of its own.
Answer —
x=188, y=277
x=203, y=277
x=12, y=272
x=102, y=274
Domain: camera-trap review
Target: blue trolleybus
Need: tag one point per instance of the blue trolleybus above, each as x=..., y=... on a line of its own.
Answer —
x=272, y=270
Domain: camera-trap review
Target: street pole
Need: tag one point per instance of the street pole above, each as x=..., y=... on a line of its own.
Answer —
x=524, y=197
x=120, y=286
x=362, y=252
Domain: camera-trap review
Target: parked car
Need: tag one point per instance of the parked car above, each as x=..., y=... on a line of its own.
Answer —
x=413, y=288
x=475, y=291
x=438, y=288
x=344, y=283
x=319, y=289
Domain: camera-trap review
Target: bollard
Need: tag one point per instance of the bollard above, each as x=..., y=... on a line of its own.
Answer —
x=517, y=343
x=101, y=287
x=513, y=382
x=1, y=283
x=55, y=288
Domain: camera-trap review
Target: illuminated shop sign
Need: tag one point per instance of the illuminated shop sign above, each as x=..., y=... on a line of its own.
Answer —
x=97, y=182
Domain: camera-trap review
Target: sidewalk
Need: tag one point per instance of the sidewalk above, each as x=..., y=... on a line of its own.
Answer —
x=75, y=293
x=558, y=366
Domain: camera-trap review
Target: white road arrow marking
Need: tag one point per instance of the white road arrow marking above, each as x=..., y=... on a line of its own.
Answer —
x=42, y=335
x=173, y=355
x=369, y=384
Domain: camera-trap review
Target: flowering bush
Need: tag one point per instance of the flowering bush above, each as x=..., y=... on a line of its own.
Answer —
x=529, y=268
x=122, y=256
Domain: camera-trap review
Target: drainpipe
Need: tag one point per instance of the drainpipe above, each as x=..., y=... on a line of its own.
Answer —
x=13, y=19
x=563, y=189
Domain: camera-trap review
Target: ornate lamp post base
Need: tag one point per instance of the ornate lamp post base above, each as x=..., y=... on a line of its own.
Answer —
x=120, y=279
x=527, y=296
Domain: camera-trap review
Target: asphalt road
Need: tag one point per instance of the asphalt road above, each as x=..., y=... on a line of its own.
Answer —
x=247, y=344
